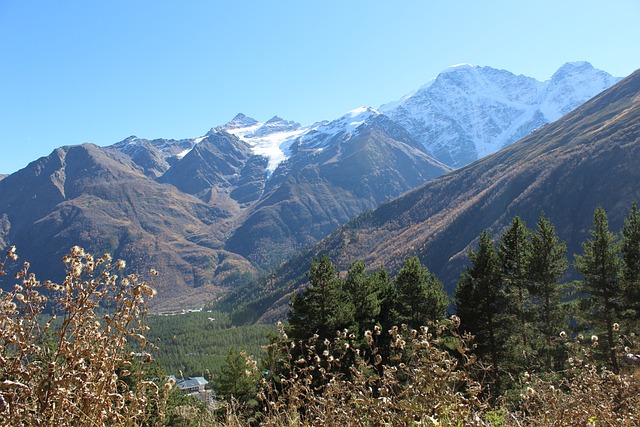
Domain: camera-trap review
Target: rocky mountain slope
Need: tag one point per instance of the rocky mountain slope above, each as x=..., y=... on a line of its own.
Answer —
x=206, y=216
x=99, y=199
x=344, y=168
x=588, y=158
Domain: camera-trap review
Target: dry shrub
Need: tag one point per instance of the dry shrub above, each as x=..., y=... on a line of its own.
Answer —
x=62, y=363
x=585, y=394
x=423, y=379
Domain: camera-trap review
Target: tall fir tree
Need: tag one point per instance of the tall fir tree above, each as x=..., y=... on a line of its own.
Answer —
x=421, y=298
x=364, y=294
x=322, y=307
x=236, y=380
x=480, y=303
x=547, y=264
x=631, y=263
x=601, y=268
x=514, y=251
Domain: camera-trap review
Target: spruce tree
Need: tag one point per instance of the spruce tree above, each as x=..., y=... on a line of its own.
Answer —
x=236, y=380
x=547, y=264
x=514, y=251
x=363, y=290
x=601, y=269
x=631, y=262
x=420, y=295
x=321, y=308
x=480, y=302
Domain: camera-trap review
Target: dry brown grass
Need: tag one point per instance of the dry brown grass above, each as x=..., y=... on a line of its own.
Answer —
x=423, y=377
x=63, y=364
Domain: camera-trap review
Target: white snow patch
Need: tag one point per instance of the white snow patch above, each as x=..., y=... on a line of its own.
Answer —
x=183, y=153
x=275, y=146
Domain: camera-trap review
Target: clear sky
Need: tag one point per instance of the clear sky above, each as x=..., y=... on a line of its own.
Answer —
x=77, y=71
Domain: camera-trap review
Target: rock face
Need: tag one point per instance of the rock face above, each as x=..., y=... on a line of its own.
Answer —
x=100, y=199
x=220, y=164
x=207, y=216
x=468, y=112
x=332, y=177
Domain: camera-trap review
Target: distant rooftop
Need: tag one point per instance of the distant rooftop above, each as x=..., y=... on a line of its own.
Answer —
x=190, y=382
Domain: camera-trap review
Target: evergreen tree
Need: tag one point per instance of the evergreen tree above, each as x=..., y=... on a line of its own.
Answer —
x=547, y=264
x=238, y=378
x=480, y=302
x=631, y=262
x=363, y=291
x=601, y=269
x=322, y=307
x=514, y=251
x=420, y=295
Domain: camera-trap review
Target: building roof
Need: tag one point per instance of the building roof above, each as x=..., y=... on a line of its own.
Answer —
x=191, y=382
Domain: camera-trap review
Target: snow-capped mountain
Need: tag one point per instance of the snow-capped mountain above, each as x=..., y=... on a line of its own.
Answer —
x=249, y=194
x=468, y=112
x=319, y=135
x=271, y=138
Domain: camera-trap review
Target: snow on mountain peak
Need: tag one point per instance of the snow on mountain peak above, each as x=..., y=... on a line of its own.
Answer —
x=274, y=125
x=320, y=135
x=349, y=121
x=271, y=139
x=458, y=67
x=240, y=121
x=573, y=84
x=469, y=111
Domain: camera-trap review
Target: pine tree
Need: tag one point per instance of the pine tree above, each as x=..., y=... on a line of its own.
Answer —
x=321, y=308
x=363, y=290
x=631, y=262
x=547, y=264
x=420, y=295
x=480, y=302
x=237, y=379
x=514, y=251
x=601, y=269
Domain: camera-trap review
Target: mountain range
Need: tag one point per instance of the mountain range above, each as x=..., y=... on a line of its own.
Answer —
x=566, y=169
x=212, y=212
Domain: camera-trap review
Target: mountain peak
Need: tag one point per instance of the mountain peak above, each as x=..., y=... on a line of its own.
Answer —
x=344, y=125
x=239, y=121
x=349, y=121
x=572, y=68
x=275, y=119
x=458, y=67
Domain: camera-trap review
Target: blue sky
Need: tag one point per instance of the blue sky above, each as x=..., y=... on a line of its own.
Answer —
x=86, y=71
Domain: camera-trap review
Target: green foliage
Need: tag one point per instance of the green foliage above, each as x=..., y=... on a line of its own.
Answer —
x=238, y=378
x=546, y=265
x=514, y=251
x=480, y=302
x=193, y=343
x=364, y=293
x=631, y=263
x=321, y=308
x=601, y=268
x=420, y=296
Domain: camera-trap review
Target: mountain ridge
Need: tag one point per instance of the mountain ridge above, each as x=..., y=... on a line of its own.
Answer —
x=566, y=169
x=210, y=212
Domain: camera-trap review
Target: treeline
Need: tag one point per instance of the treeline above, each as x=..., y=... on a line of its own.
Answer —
x=511, y=298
